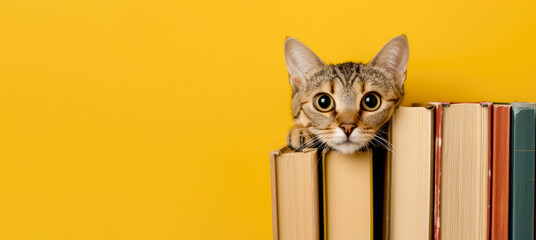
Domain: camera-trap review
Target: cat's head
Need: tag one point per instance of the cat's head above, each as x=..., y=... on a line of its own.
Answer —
x=344, y=105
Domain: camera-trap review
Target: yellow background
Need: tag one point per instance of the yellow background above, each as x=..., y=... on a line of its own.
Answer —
x=153, y=120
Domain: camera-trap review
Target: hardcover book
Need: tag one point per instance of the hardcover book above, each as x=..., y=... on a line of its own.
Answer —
x=332, y=188
x=462, y=171
x=295, y=194
x=522, y=171
x=500, y=172
x=412, y=165
x=348, y=202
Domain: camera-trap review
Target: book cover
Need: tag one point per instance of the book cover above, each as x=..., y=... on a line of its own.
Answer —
x=348, y=195
x=475, y=118
x=438, y=134
x=437, y=171
x=500, y=172
x=412, y=168
x=295, y=194
x=522, y=171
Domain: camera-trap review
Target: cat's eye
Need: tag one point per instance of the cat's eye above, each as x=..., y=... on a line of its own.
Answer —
x=323, y=102
x=371, y=101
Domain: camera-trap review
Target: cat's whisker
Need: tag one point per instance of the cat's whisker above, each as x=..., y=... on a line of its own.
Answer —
x=386, y=144
x=382, y=146
x=367, y=146
x=381, y=143
x=318, y=141
x=312, y=141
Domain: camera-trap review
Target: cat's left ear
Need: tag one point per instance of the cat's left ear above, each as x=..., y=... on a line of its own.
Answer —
x=394, y=57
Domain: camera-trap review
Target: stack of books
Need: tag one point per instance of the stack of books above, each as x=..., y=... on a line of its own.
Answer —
x=455, y=171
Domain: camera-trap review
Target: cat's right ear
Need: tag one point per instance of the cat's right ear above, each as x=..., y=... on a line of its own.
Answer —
x=394, y=57
x=300, y=60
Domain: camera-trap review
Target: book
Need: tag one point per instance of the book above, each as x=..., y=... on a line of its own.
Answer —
x=522, y=171
x=462, y=174
x=438, y=134
x=348, y=197
x=386, y=216
x=412, y=165
x=500, y=172
x=295, y=194
x=381, y=177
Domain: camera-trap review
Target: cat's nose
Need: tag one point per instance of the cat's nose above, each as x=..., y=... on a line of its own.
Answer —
x=348, y=128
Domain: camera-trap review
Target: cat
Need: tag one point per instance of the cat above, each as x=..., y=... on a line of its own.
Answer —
x=343, y=106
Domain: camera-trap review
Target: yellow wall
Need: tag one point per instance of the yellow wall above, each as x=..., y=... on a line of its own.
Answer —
x=153, y=120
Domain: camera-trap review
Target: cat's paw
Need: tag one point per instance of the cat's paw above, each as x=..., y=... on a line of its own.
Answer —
x=299, y=138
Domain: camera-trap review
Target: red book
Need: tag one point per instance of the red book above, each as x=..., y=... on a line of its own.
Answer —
x=437, y=173
x=500, y=172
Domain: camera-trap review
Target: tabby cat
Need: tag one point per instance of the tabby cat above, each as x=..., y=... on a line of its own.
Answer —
x=343, y=106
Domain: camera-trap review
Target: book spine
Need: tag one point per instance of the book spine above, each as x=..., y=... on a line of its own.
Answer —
x=324, y=197
x=500, y=172
x=522, y=171
x=273, y=181
x=386, y=235
x=437, y=174
x=490, y=148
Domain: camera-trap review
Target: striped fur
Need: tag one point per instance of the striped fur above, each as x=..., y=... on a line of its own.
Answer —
x=346, y=83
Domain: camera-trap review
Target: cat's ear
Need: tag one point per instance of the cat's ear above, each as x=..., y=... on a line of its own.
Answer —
x=394, y=57
x=300, y=60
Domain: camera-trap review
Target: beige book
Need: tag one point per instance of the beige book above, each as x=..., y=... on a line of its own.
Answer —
x=295, y=209
x=412, y=162
x=348, y=196
x=465, y=172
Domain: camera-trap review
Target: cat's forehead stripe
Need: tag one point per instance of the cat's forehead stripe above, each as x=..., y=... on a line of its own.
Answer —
x=346, y=73
x=353, y=77
x=339, y=71
x=340, y=80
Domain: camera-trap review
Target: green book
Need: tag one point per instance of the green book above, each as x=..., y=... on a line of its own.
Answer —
x=522, y=171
